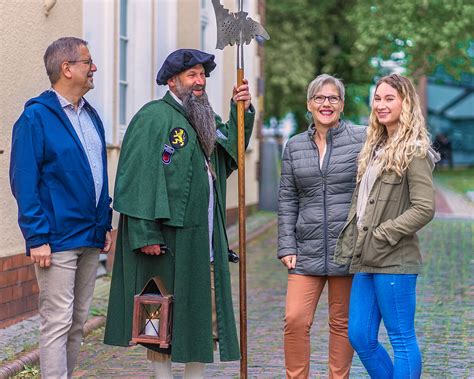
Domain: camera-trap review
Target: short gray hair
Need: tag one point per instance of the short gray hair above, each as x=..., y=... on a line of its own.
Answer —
x=62, y=50
x=323, y=79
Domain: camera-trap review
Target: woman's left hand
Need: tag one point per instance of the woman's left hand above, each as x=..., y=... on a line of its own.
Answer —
x=289, y=261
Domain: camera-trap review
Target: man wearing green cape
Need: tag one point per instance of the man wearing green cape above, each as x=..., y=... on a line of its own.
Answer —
x=170, y=191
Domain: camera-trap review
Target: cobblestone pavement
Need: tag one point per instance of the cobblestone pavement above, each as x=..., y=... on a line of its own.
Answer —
x=18, y=337
x=444, y=317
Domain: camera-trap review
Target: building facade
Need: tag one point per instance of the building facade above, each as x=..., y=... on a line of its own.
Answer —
x=128, y=40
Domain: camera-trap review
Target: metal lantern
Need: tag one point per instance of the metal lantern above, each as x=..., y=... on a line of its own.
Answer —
x=152, y=314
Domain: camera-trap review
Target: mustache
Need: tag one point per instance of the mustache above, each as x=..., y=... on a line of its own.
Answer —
x=185, y=92
x=188, y=92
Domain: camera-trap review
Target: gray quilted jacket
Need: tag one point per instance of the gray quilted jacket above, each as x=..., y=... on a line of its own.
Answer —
x=313, y=203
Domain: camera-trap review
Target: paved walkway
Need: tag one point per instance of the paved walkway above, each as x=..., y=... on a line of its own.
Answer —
x=450, y=204
x=445, y=316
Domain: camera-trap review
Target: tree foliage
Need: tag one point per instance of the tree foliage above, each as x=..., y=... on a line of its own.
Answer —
x=350, y=38
x=427, y=33
x=307, y=38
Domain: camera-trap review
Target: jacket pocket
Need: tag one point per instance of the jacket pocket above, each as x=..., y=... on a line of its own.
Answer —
x=346, y=243
x=390, y=187
x=379, y=253
x=309, y=254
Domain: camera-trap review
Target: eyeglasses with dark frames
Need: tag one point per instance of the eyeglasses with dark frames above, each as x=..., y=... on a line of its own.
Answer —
x=89, y=62
x=320, y=99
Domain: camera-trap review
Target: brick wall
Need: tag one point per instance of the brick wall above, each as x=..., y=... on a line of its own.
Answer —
x=18, y=289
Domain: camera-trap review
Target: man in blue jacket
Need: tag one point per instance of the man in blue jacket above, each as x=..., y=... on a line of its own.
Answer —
x=58, y=175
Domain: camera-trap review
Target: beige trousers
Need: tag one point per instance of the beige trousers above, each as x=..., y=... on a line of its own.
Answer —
x=65, y=294
x=301, y=300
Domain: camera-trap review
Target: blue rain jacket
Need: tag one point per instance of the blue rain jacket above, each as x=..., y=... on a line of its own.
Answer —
x=52, y=182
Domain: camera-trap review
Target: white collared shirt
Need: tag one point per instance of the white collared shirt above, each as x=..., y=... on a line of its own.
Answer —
x=89, y=137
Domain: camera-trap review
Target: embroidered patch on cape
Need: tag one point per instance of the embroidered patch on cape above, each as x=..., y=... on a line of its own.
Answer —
x=178, y=138
x=168, y=152
x=220, y=135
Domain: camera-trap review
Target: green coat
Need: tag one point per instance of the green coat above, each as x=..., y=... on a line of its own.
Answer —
x=397, y=207
x=162, y=193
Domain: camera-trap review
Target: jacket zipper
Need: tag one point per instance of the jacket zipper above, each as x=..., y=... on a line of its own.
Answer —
x=323, y=177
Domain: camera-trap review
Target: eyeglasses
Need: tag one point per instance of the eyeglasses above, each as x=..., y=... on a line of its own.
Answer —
x=320, y=99
x=89, y=62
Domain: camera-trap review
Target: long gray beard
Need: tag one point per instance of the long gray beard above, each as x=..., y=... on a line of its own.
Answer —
x=201, y=116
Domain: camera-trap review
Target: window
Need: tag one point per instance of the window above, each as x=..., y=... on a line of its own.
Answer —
x=123, y=83
x=204, y=23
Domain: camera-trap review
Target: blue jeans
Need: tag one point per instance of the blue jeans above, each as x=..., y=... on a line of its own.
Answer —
x=391, y=298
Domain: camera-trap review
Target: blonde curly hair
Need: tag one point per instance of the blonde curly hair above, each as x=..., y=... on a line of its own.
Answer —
x=411, y=138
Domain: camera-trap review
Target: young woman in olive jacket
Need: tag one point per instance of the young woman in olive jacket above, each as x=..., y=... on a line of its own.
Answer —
x=394, y=198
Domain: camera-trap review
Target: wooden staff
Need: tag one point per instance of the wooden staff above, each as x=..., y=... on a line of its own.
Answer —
x=242, y=215
x=237, y=28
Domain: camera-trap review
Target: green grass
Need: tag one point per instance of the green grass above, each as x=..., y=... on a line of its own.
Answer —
x=459, y=180
x=30, y=372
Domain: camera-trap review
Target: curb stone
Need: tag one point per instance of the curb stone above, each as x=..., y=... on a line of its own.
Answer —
x=32, y=358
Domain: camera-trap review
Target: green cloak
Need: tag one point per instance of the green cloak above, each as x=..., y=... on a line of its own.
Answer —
x=162, y=193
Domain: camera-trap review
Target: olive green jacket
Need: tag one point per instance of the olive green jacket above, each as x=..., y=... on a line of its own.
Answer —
x=397, y=207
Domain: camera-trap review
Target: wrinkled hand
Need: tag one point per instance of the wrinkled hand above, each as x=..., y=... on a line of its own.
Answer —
x=289, y=261
x=108, y=243
x=152, y=250
x=242, y=93
x=41, y=255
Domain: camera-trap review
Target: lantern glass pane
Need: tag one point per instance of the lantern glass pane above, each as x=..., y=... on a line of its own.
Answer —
x=150, y=319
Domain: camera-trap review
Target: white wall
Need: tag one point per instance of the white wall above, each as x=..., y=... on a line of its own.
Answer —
x=98, y=25
x=216, y=83
x=140, y=55
x=25, y=34
x=166, y=27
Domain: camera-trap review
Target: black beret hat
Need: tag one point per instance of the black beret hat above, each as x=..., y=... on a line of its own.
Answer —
x=181, y=60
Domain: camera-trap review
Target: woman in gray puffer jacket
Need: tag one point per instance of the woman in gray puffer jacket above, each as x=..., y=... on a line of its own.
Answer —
x=317, y=180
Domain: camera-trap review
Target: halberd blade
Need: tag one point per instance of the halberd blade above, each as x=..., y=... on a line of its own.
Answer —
x=235, y=28
x=251, y=28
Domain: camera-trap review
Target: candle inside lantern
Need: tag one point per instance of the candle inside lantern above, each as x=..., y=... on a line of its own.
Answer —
x=152, y=327
x=152, y=324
